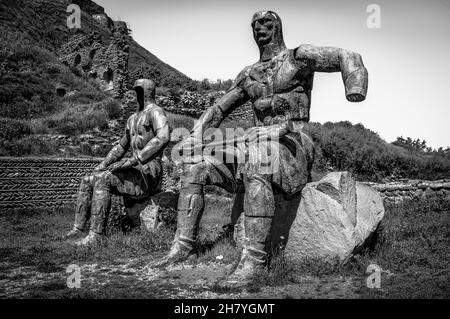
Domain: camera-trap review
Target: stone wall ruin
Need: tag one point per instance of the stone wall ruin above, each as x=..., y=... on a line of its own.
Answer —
x=105, y=61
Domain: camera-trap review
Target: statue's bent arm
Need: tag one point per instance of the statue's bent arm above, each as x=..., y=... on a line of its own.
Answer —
x=214, y=115
x=330, y=59
x=162, y=136
x=118, y=151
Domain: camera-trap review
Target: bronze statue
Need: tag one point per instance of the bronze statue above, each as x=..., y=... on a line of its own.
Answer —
x=147, y=133
x=279, y=86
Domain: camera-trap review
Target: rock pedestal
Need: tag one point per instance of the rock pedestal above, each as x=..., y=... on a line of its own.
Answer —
x=335, y=217
x=154, y=212
x=329, y=220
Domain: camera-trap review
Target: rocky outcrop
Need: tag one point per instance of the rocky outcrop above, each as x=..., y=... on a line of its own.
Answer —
x=335, y=217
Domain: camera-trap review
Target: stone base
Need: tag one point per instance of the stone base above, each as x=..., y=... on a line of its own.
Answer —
x=335, y=218
x=153, y=212
x=329, y=220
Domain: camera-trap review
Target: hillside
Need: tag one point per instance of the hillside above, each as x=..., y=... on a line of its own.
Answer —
x=33, y=33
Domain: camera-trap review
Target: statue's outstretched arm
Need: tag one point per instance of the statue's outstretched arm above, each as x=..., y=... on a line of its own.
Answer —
x=330, y=59
x=159, y=141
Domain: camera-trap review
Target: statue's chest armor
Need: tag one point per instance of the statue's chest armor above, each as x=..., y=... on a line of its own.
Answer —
x=278, y=88
x=141, y=130
x=274, y=76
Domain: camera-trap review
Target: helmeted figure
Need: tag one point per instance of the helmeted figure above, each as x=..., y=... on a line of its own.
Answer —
x=147, y=134
x=279, y=86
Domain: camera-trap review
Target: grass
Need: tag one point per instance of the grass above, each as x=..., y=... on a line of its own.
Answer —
x=412, y=249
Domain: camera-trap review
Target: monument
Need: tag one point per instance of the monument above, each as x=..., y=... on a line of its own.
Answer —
x=137, y=177
x=279, y=86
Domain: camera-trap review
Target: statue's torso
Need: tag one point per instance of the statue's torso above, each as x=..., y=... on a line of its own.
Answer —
x=140, y=129
x=280, y=89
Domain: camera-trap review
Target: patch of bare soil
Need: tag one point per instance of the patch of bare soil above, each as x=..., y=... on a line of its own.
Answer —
x=185, y=280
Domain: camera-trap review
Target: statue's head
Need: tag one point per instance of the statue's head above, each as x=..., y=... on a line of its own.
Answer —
x=268, y=31
x=145, y=89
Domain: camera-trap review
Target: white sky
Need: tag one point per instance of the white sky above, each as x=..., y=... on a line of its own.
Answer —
x=408, y=58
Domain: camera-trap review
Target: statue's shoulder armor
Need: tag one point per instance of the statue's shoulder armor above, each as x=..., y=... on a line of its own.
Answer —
x=154, y=112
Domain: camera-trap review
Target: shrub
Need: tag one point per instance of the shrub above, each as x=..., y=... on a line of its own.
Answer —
x=112, y=108
x=178, y=121
x=12, y=129
x=345, y=146
x=29, y=145
x=77, y=119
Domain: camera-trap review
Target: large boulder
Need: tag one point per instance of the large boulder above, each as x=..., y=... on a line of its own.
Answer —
x=335, y=218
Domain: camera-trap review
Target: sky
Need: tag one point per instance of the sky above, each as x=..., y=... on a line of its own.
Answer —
x=407, y=58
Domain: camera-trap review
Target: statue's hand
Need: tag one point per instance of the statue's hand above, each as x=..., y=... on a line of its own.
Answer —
x=123, y=164
x=100, y=167
x=269, y=132
x=355, y=97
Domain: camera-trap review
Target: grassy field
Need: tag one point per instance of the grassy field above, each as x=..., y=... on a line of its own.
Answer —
x=412, y=249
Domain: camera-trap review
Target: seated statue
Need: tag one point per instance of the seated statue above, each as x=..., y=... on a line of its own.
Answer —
x=279, y=86
x=137, y=177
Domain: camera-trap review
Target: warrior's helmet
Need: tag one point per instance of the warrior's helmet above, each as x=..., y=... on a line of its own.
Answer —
x=267, y=29
x=145, y=88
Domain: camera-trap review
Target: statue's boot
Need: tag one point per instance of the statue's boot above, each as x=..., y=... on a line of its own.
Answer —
x=190, y=211
x=259, y=209
x=72, y=234
x=101, y=203
x=83, y=209
x=254, y=256
x=92, y=239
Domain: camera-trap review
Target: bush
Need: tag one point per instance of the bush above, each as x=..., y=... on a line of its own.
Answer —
x=29, y=145
x=77, y=119
x=12, y=129
x=180, y=121
x=345, y=146
x=112, y=108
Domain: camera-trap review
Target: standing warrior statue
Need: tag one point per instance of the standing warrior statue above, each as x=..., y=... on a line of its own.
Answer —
x=147, y=133
x=279, y=86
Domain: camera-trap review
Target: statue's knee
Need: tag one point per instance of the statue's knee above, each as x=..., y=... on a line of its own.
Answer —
x=102, y=178
x=88, y=179
x=259, y=198
x=87, y=182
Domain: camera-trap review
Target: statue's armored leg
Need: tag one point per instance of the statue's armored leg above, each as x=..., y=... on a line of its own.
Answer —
x=259, y=209
x=101, y=204
x=190, y=211
x=83, y=207
x=191, y=205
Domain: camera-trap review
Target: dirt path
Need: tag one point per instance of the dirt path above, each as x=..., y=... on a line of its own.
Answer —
x=127, y=279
